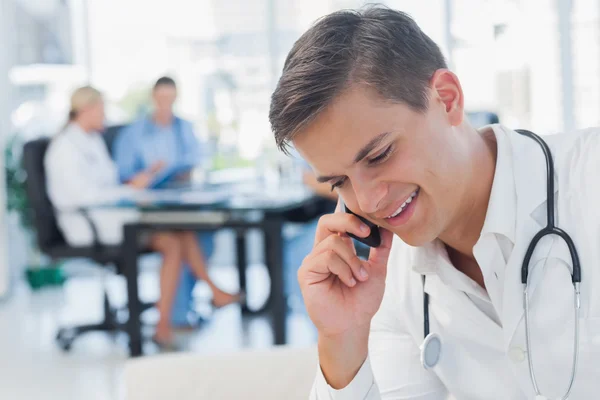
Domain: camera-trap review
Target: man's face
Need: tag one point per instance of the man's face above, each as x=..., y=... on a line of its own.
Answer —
x=379, y=155
x=164, y=97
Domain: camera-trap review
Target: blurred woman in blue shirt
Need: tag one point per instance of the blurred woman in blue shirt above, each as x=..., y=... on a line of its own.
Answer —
x=163, y=140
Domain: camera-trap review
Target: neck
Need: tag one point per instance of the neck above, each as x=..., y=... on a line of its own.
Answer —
x=468, y=223
x=163, y=118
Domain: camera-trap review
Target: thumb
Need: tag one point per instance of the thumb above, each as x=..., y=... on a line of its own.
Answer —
x=378, y=257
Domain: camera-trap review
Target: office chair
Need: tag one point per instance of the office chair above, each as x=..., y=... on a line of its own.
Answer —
x=52, y=243
x=110, y=135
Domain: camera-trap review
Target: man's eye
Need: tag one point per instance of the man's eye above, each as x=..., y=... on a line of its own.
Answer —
x=337, y=184
x=381, y=157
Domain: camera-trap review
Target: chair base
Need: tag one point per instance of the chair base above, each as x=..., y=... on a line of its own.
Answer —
x=113, y=323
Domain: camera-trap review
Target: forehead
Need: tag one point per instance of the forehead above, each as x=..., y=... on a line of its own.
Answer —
x=162, y=90
x=351, y=121
x=95, y=105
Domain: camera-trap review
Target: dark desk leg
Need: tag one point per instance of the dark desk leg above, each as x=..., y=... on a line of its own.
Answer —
x=240, y=245
x=133, y=326
x=273, y=228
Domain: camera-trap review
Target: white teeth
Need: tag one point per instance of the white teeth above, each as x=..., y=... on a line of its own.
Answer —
x=407, y=202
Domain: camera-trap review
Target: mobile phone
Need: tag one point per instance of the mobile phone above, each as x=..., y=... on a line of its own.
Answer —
x=374, y=238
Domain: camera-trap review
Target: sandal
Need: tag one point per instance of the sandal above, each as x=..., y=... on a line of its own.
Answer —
x=239, y=298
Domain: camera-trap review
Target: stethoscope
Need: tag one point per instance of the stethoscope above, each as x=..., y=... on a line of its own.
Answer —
x=431, y=348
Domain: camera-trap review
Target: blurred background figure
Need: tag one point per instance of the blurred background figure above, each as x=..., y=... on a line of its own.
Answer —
x=81, y=174
x=166, y=143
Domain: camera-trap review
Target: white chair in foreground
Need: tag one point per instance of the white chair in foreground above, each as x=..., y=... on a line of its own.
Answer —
x=274, y=374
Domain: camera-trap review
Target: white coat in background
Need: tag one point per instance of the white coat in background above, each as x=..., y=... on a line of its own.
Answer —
x=81, y=173
x=484, y=355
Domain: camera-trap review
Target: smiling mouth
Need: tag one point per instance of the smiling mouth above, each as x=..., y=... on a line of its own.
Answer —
x=404, y=205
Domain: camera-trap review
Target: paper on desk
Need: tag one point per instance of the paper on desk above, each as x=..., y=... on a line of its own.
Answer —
x=184, y=197
x=201, y=197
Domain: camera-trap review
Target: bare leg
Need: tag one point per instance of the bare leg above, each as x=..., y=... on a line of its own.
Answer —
x=170, y=247
x=193, y=255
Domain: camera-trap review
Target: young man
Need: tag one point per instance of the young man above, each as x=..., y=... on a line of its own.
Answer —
x=462, y=205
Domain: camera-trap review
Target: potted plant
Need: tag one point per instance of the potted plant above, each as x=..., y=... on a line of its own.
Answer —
x=38, y=272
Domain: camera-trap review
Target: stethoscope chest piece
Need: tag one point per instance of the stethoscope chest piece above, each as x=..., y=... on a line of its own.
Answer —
x=431, y=351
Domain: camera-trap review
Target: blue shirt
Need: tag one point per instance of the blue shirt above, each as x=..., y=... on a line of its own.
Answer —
x=144, y=143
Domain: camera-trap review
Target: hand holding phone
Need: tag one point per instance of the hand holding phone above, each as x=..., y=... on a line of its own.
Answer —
x=374, y=238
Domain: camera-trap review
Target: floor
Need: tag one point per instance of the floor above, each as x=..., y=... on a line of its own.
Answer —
x=33, y=367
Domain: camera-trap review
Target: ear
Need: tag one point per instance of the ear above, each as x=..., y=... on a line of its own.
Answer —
x=447, y=90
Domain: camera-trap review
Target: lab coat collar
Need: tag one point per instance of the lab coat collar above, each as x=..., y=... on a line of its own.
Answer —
x=77, y=134
x=73, y=129
x=502, y=206
x=530, y=178
x=425, y=259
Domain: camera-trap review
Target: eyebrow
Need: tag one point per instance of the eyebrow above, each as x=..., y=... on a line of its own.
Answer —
x=323, y=179
x=376, y=141
x=362, y=153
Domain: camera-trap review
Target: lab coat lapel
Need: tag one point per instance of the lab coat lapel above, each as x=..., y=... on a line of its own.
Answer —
x=455, y=314
x=530, y=180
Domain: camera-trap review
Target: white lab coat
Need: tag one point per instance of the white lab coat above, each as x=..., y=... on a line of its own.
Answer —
x=81, y=174
x=484, y=353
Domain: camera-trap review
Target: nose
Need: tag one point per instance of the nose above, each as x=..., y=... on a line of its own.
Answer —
x=369, y=194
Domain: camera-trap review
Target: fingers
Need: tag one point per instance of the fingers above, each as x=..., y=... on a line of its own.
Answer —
x=326, y=264
x=344, y=248
x=334, y=252
x=378, y=256
x=349, y=242
x=157, y=166
x=340, y=223
x=140, y=181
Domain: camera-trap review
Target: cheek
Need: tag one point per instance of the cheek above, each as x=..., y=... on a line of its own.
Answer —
x=428, y=169
x=407, y=168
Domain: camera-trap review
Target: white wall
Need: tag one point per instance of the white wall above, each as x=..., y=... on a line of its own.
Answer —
x=5, y=108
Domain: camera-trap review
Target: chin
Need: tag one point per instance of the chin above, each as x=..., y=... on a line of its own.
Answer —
x=415, y=239
x=417, y=234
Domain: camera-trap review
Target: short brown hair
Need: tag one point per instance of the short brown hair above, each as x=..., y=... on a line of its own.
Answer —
x=165, y=81
x=376, y=46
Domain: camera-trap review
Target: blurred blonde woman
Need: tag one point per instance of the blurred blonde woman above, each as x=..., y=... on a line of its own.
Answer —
x=81, y=173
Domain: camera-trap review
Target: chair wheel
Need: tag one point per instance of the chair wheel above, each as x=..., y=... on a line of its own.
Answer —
x=65, y=345
x=65, y=338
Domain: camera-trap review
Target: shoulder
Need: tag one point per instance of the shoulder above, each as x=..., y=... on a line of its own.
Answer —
x=62, y=140
x=183, y=121
x=575, y=144
x=125, y=141
x=577, y=168
x=578, y=154
x=132, y=129
x=185, y=125
x=60, y=149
